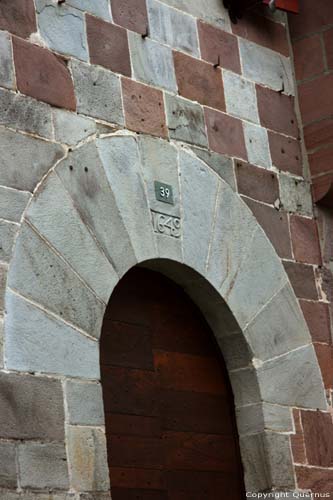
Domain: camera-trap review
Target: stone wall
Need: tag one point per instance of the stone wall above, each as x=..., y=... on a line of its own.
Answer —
x=74, y=71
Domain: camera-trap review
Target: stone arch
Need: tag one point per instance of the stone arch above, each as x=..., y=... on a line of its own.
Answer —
x=93, y=217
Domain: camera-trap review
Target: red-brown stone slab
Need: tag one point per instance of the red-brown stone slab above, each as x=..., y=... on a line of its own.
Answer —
x=108, y=45
x=316, y=98
x=131, y=14
x=321, y=161
x=257, y=183
x=43, y=75
x=317, y=316
x=285, y=153
x=308, y=57
x=328, y=41
x=318, y=480
x=276, y=111
x=225, y=134
x=18, y=17
x=199, y=81
x=318, y=434
x=144, y=108
x=302, y=278
x=297, y=440
x=219, y=47
x=305, y=240
x=319, y=133
x=325, y=359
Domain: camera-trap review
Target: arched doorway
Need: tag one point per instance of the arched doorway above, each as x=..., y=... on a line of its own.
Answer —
x=169, y=410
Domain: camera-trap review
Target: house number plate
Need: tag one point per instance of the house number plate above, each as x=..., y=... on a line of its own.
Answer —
x=163, y=192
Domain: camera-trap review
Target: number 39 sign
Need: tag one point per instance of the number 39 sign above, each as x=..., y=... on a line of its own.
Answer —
x=163, y=192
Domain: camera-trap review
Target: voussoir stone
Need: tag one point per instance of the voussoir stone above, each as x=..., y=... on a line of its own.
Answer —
x=70, y=128
x=7, y=79
x=221, y=164
x=31, y=407
x=8, y=232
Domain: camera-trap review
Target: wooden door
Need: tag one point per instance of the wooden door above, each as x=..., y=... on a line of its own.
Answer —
x=169, y=410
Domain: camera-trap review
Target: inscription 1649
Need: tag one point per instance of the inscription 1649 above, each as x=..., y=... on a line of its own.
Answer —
x=166, y=224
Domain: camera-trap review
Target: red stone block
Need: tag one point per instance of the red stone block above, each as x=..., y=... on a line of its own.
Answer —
x=319, y=133
x=297, y=440
x=277, y=111
x=318, y=435
x=325, y=359
x=321, y=161
x=225, y=134
x=302, y=279
x=316, y=98
x=257, y=183
x=315, y=479
x=199, y=81
x=285, y=153
x=275, y=224
x=144, y=108
x=312, y=17
x=131, y=14
x=108, y=45
x=328, y=41
x=263, y=31
x=317, y=316
x=18, y=17
x=219, y=47
x=305, y=240
x=43, y=75
x=308, y=57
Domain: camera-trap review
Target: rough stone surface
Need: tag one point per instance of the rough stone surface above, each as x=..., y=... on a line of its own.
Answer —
x=257, y=146
x=295, y=195
x=36, y=341
x=70, y=128
x=91, y=192
x=8, y=465
x=240, y=97
x=8, y=232
x=87, y=454
x=108, y=45
x=302, y=368
x=185, y=121
x=199, y=81
x=24, y=160
x=100, y=8
x=219, y=47
x=84, y=403
x=18, y=17
x=144, y=109
x=97, y=92
x=172, y=27
x=152, y=63
x=225, y=134
x=24, y=113
x=62, y=28
x=287, y=328
x=39, y=274
x=305, y=240
x=266, y=67
x=286, y=153
x=6, y=61
x=31, y=407
x=253, y=419
x=302, y=278
x=43, y=75
x=245, y=387
x=221, y=164
x=277, y=111
x=212, y=11
x=54, y=204
x=131, y=14
x=3, y=279
x=34, y=495
x=43, y=465
x=257, y=183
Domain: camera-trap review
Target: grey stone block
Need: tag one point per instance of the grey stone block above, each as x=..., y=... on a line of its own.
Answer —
x=23, y=113
x=240, y=97
x=1, y=341
x=199, y=186
x=253, y=419
x=293, y=379
x=98, y=92
x=245, y=386
x=266, y=67
x=43, y=465
x=89, y=187
x=95, y=496
x=12, y=203
x=279, y=327
x=70, y=236
x=62, y=28
x=221, y=164
x=212, y=11
x=36, y=342
x=38, y=273
x=101, y=8
x=121, y=161
x=24, y=160
x=295, y=195
x=3, y=279
x=88, y=458
x=185, y=121
x=172, y=27
x=84, y=403
x=70, y=128
x=257, y=146
x=8, y=232
x=31, y=407
x=236, y=351
x=152, y=62
x=35, y=495
x=261, y=261
x=7, y=78
x=7, y=465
